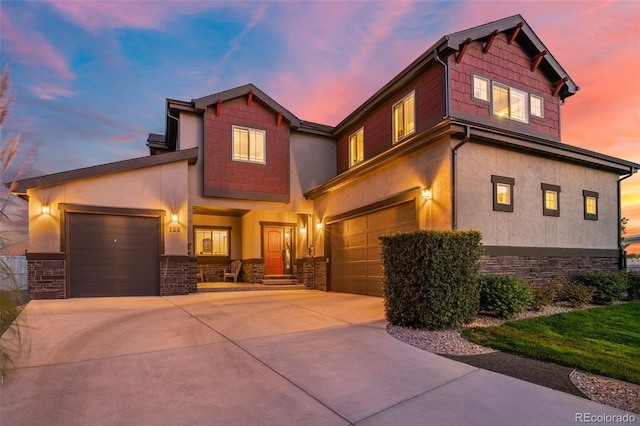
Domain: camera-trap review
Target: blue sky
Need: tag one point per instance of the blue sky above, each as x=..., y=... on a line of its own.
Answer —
x=91, y=77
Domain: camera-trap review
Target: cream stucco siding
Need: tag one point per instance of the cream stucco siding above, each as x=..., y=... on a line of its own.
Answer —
x=158, y=187
x=428, y=167
x=526, y=226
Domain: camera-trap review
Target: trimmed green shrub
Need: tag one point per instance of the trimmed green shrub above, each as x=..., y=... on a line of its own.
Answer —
x=544, y=296
x=431, y=278
x=609, y=286
x=633, y=285
x=504, y=295
x=576, y=294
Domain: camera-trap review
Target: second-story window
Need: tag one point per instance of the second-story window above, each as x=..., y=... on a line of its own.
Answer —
x=537, y=106
x=249, y=145
x=481, y=88
x=509, y=102
x=404, y=117
x=356, y=147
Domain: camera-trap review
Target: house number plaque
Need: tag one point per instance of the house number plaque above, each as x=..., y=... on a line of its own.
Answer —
x=174, y=229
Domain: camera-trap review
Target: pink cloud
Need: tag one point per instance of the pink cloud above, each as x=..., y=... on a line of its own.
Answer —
x=50, y=91
x=98, y=15
x=31, y=47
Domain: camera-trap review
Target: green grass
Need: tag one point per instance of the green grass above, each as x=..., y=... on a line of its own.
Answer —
x=603, y=341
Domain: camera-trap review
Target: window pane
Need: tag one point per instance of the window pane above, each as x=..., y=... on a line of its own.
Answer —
x=551, y=200
x=518, y=105
x=409, y=115
x=356, y=148
x=240, y=144
x=590, y=205
x=480, y=88
x=537, y=106
x=398, y=122
x=500, y=100
x=256, y=143
x=502, y=193
x=212, y=242
x=203, y=242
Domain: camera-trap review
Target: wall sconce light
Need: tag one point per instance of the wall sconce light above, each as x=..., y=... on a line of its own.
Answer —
x=426, y=194
x=303, y=230
x=45, y=209
x=174, y=217
x=319, y=226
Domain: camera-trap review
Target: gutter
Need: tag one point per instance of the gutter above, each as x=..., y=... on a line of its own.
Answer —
x=447, y=95
x=622, y=258
x=454, y=154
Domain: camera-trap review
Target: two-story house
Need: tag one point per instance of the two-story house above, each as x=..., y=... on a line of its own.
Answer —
x=466, y=137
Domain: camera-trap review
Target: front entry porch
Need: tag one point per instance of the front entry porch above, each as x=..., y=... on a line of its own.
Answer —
x=230, y=286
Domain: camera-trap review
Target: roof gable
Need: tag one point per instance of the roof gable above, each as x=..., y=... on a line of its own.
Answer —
x=204, y=102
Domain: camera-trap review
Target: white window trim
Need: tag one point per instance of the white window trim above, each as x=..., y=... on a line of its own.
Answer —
x=249, y=130
x=541, y=99
x=212, y=229
x=488, y=87
x=353, y=162
x=393, y=117
x=510, y=89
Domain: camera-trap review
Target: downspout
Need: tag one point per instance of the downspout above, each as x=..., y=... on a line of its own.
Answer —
x=446, y=82
x=621, y=256
x=454, y=155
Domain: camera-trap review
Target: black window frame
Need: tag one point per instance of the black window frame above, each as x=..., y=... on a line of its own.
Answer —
x=501, y=207
x=590, y=194
x=555, y=188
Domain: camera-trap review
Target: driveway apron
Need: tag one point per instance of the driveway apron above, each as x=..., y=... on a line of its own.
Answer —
x=253, y=358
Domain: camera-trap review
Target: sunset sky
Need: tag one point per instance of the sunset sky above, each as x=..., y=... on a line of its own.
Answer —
x=91, y=78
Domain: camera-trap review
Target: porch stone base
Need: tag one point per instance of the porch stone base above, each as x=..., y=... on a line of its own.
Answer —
x=252, y=270
x=314, y=273
x=543, y=270
x=46, y=276
x=178, y=275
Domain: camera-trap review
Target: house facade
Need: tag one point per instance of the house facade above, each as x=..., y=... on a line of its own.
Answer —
x=465, y=137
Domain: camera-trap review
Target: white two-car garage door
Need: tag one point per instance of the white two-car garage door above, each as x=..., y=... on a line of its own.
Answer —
x=356, y=266
x=112, y=255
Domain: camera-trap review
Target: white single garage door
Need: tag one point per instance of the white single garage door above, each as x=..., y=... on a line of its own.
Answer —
x=112, y=255
x=356, y=266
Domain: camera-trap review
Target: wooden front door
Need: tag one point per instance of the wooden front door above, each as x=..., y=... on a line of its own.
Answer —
x=273, y=250
x=277, y=250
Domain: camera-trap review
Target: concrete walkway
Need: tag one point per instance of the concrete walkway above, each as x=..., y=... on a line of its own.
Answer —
x=252, y=358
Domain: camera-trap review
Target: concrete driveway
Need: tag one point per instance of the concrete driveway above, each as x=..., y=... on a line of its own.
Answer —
x=252, y=358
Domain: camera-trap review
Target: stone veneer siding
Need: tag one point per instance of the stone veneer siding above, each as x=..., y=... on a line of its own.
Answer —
x=543, y=269
x=178, y=275
x=46, y=276
x=252, y=270
x=314, y=273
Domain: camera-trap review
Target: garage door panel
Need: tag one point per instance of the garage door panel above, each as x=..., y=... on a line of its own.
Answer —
x=112, y=255
x=356, y=251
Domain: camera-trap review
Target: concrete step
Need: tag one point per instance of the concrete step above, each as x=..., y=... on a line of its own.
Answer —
x=279, y=281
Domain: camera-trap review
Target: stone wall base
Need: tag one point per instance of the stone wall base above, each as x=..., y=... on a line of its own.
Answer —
x=542, y=270
x=46, y=276
x=313, y=273
x=178, y=275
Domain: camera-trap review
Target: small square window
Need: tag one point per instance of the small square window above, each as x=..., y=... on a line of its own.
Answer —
x=249, y=145
x=550, y=200
x=590, y=205
x=404, y=117
x=536, y=106
x=356, y=147
x=481, y=88
x=502, y=193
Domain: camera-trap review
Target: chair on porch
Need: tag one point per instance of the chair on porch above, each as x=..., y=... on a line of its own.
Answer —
x=233, y=271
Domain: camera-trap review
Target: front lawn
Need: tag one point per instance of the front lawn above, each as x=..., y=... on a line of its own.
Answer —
x=603, y=341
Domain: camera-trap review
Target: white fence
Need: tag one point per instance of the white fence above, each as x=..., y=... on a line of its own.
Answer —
x=633, y=264
x=13, y=267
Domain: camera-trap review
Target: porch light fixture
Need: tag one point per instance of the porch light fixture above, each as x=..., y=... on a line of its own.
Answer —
x=174, y=217
x=319, y=226
x=303, y=230
x=45, y=209
x=426, y=194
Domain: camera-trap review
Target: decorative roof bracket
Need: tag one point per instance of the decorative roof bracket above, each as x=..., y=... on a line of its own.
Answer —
x=537, y=59
x=490, y=41
x=278, y=119
x=515, y=33
x=249, y=98
x=463, y=49
x=218, y=107
x=558, y=85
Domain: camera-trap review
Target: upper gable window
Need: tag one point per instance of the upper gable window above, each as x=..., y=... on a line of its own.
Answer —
x=536, y=106
x=404, y=117
x=249, y=145
x=356, y=147
x=481, y=88
x=509, y=102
